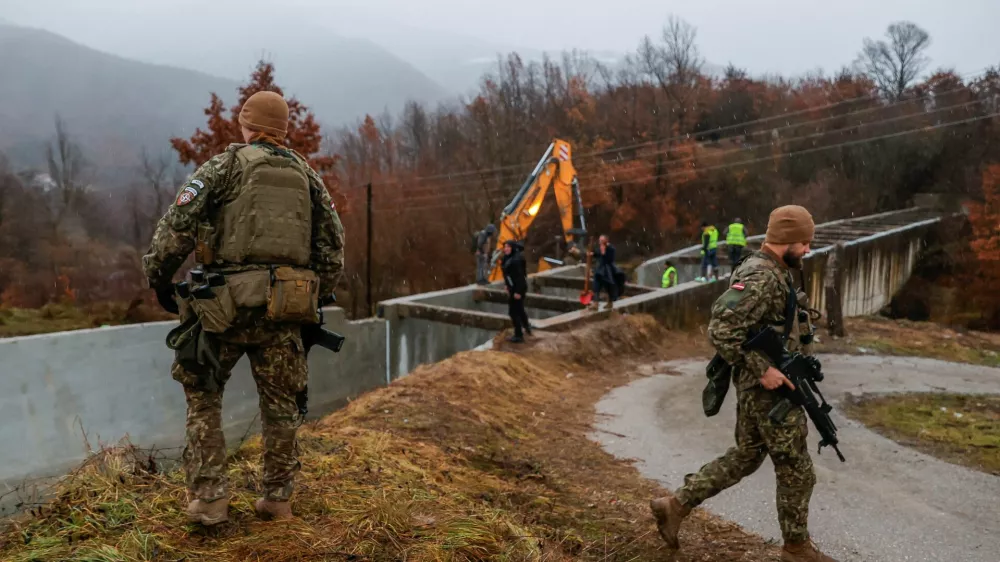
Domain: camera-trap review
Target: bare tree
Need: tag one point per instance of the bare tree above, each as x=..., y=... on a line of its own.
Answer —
x=155, y=174
x=895, y=64
x=66, y=166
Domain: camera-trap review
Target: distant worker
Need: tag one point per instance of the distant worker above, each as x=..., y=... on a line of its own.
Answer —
x=757, y=296
x=256, y=284
x=709, y=253
x=736, y=240
x=515, y=276
x=606, y=274
x=669, y=275
x=484, y=251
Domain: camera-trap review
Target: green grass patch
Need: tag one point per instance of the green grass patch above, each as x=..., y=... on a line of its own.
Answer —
x=962, y=429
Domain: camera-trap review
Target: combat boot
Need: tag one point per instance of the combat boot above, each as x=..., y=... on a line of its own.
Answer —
x=803, y=552
x=669, y=513
x=270, y=509
x=208, y=513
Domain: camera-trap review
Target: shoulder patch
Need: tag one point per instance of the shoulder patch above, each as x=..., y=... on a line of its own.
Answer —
x=738, y=286
x=186, y=195
x=200, y=184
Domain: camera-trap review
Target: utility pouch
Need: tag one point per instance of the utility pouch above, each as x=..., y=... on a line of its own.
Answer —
x=249, y=288
x=217, y=310
x=293, y=296
x=719, y=374
x=197, y=352
x=204, y=249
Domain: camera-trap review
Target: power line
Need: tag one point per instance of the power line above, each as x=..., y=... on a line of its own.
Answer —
x=584, y=168
x=761, y=159
x=442, y=196
x=799, y=152
x=699, y=133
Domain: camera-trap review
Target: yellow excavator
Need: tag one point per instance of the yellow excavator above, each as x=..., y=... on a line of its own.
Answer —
x=554, y=171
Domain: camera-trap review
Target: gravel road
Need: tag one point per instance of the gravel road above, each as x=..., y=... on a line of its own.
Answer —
x=887, y=503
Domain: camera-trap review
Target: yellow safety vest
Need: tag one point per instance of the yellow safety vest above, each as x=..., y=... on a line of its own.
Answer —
x=713, y=238
x=735, y=236
x=666, y=283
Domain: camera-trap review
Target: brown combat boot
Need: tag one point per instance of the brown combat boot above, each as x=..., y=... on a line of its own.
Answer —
x=270, y=509
x=669, y=513
x=208, y=513
x=803, y=552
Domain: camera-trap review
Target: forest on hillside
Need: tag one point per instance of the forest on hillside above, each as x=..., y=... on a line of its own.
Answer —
x=659, y=146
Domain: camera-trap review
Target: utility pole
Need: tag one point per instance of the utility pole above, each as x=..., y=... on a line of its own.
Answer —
x=368, y=268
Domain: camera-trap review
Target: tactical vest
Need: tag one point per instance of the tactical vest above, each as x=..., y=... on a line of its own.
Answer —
x=666, y=283
x=713, y=238
x=267, y=217
x=735, y=236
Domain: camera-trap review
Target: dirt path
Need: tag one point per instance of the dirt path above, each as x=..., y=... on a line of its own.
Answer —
x=886, y=503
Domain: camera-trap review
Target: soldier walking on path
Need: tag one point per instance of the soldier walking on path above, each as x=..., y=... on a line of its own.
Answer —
x=758, y=296
x=269, y=245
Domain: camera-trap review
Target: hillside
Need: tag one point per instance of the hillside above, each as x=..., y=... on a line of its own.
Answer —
x=112, y=105
x=115, y=105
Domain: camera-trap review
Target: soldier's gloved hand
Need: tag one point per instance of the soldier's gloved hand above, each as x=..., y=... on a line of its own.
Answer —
x=165, y=296
x=774, y=378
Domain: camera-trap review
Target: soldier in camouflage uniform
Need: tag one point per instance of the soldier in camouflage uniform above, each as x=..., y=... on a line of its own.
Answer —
x=260, y=216
x=757, y=296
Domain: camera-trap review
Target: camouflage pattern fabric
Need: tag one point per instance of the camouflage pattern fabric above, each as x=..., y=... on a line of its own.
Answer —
x=277, y=356
x=279, y=369
x=176, y=232
x=757, y=295
x=756, y=438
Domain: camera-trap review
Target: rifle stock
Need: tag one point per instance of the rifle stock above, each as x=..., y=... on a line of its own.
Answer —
x=803, y=371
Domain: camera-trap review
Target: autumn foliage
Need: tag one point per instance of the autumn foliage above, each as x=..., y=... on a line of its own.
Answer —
x=303, y=131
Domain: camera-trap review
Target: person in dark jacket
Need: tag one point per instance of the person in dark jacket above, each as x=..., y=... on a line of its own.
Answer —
x=515, y=276
x=605, y=272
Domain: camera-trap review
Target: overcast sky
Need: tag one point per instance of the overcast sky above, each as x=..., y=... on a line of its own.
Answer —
x=786, y=36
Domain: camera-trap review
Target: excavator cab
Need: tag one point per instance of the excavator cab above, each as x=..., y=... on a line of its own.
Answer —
x=554, y=171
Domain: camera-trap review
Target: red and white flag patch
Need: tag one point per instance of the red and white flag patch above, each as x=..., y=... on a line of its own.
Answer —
x=186, y=196
x=739, y=286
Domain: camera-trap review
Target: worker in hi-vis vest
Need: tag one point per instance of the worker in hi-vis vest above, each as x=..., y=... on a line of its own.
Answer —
x=669, y=275
x=736, y=241
x=709, y=253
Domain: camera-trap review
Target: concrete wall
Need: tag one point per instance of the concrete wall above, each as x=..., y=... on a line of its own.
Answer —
x=113, y=382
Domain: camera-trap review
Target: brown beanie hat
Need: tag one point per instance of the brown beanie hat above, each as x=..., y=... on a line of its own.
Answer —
x=789, y=225
x=265, y=112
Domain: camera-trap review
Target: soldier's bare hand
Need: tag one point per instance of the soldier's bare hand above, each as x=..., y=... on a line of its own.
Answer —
x=774, y=378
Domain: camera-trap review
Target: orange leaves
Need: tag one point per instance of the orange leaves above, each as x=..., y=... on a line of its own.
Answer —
x=304, y=133
x=985, y=219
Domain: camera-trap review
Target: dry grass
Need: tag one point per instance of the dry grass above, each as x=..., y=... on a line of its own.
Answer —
x=483, y=456
x=882, y=336
x=56, y=317
x=960, y=429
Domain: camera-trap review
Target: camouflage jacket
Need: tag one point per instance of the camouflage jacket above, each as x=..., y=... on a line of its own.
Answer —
x=176, y=232
x=757, y=295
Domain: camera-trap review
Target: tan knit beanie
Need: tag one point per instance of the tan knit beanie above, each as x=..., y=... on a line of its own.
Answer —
x=265, y=112
x=790, y=224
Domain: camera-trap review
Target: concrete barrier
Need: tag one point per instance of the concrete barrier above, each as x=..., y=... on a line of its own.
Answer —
x=115, y=381
x=112, y=382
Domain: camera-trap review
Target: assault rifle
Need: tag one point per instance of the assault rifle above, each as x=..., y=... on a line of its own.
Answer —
x=315, y=334
x=804, y=372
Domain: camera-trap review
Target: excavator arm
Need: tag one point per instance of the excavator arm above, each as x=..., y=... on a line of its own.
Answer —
x=554, y=171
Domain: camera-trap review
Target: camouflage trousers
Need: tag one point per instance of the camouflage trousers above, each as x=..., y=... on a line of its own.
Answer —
x=278, y=363
x=756, y=438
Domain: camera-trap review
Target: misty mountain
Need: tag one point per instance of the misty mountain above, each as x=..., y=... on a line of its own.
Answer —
x=339, y=78
x=112, y=106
